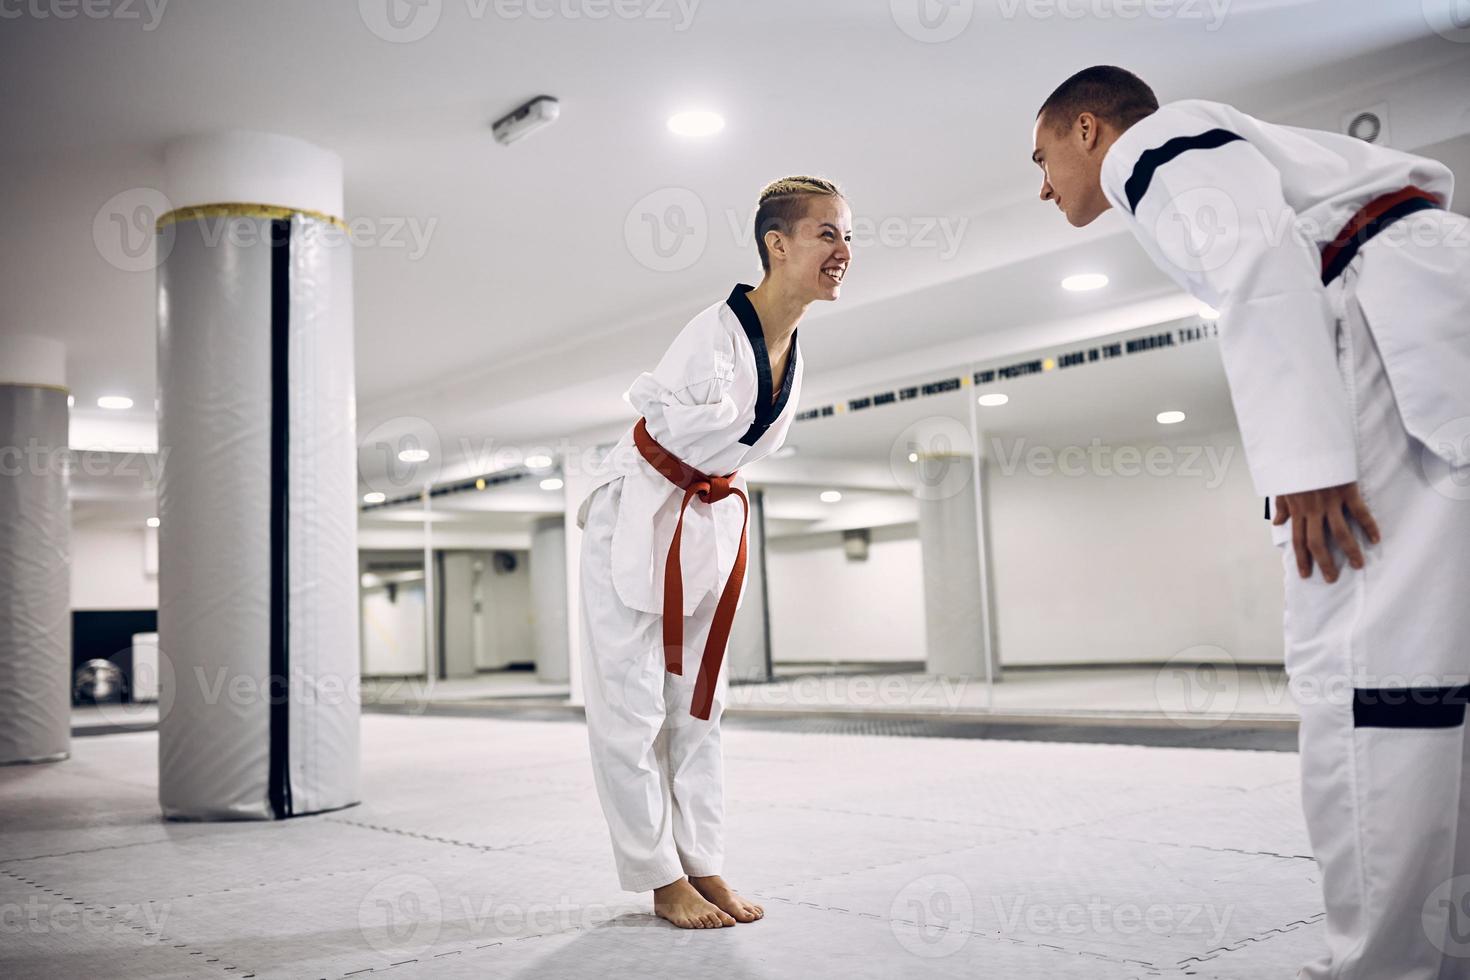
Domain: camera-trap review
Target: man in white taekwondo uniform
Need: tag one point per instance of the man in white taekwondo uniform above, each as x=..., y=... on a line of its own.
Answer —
x=1343, y=286
x=663, y=558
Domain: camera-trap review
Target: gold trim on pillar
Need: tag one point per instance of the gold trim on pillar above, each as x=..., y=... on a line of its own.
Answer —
x=240, y=210
x=27, y=384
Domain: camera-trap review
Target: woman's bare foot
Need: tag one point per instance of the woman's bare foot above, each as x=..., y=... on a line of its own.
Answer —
x=686, y=908
x=713, y=887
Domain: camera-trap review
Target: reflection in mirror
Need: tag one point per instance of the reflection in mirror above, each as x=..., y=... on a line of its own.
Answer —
x=489, y=620
x=1130, y=564
x=872, y=554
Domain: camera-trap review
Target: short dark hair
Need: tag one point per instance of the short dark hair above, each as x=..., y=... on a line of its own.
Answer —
x=1115, y=95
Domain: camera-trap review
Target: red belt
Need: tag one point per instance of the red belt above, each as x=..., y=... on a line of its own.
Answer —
x=709, y=489
x=1369, y=220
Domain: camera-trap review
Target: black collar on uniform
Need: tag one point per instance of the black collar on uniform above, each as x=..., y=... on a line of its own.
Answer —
x=766, y=412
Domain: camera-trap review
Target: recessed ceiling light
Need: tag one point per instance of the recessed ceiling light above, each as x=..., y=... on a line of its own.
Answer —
x=696, y=122
x=1084, y=281
x=152, y=522
x=1169, y=418
x=413, y=455
x=1207, y=312
x=71, y=400
x=374, y=497
x=551, y=483
x=831, y=496
x=993, y=399
x=913, y=457
x=480, y=483
x=538, y=462
x=114, y=401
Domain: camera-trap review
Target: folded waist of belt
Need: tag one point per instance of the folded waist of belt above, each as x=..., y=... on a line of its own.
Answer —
x=1368, y=221
x=709, y=489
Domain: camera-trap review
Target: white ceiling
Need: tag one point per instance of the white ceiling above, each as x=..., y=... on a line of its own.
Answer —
x=528, y=311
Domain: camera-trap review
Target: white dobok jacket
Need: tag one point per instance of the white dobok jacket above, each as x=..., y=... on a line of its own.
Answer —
x=710, y=403
x=1237, y=211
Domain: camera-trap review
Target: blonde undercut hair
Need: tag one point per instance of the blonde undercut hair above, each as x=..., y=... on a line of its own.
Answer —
x=782, y=204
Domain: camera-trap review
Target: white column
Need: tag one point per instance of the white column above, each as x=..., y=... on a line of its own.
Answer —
x=257, y=619
x=35, y=552
x=954, y=593
x=549, y=599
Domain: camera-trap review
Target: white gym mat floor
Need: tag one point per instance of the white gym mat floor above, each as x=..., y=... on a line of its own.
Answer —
x=479, y=851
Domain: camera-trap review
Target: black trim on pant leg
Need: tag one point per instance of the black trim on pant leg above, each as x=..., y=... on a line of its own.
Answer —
x=1409, y=707
x=279, y=685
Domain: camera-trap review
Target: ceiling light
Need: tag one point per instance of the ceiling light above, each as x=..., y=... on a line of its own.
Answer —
x=152, y=522
x=1084, y=281
x=913, y=457
x=1169, y=418
x=696, y=123
x=114, y=401
x=993, y=399
x=413, y=455
x=71, y=400
x=538, y=462
x=552, y=483
x=374, y=497
x=1207, y=312
x=830, y=496
x=480, y=483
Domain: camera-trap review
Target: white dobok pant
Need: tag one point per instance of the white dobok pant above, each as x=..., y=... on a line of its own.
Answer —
x=659, y=770
x=1385, y=770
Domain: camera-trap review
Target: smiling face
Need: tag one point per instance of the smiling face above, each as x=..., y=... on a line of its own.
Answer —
x=813, y=258
x=1070, y=158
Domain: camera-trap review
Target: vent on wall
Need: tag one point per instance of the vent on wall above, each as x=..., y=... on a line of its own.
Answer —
x=1369, y=124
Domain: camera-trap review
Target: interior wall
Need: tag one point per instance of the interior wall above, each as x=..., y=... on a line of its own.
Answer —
x=1099, y=568
x=825, y=608
x=393, y=630
x=506, y=613
x=108, y=569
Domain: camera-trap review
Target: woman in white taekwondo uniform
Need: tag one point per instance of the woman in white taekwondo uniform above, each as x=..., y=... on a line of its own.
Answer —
x=663, y=557
x=1343, y=286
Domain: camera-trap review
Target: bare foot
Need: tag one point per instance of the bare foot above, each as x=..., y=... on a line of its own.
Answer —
x=682, y=905
x=713, y=887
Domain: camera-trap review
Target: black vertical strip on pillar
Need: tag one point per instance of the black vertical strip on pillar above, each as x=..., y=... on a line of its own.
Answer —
x=280, y=666
x=758, y=500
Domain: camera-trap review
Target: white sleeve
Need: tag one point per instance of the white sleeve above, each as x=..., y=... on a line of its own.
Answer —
x=688, y=394
x=1219, y=224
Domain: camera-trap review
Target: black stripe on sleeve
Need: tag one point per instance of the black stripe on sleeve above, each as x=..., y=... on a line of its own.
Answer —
x=1409, y=707
x=1151, y=160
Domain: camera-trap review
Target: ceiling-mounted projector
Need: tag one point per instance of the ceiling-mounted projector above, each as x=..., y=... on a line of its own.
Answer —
x=540, y=111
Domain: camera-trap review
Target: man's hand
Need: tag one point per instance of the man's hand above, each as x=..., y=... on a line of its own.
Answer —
x=1319, y=517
